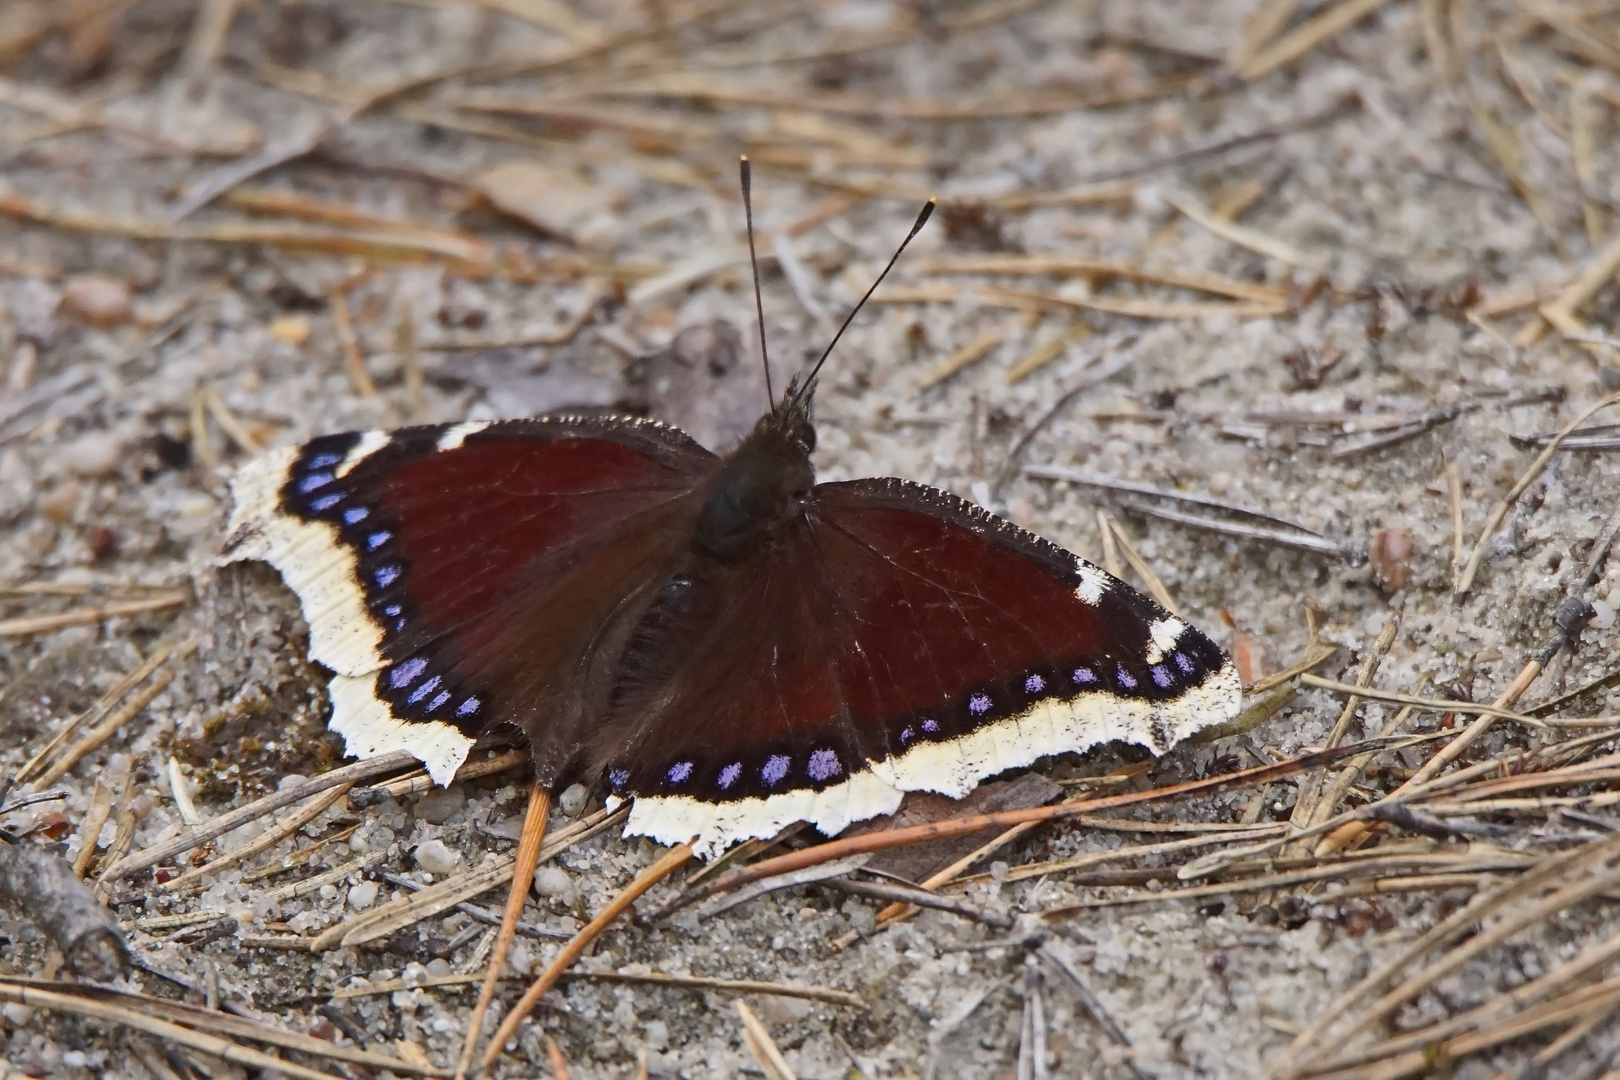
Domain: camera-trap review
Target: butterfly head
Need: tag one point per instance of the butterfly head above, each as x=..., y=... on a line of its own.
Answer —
x=764, y=486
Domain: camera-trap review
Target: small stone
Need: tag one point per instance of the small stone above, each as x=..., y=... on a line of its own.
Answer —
x=656, y=1035
x=292, y=329
x=59, y=505
x=101, y=542
x=518, y=958
x=434, y=857
x=96, y=299
x=441, y=804
x=553, y=881
x=438, y=967
x=94, y=454
x=572, y=800
x=1602, y=615
x=781, y=1011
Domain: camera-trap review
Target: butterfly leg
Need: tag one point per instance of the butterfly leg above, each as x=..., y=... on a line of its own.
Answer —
x=672, y=860
x=528, y=856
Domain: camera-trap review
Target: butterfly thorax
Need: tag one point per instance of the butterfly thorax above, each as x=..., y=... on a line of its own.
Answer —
x=760, y=490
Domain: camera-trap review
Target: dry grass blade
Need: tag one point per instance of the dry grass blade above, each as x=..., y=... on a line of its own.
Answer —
x=1459, y=923
x=269, y=839
x=416, y=782
x=1444, y=705
x=916, y=834
x=105, y=730
x=408, y=910
x=791, y=879
x=221, y=1023
x=965, y=356
x=100, y=809
x=1307, y=36
x=683, y=982
x=762, y=1046
x=40, y=624
x=138, y=1020
x=1134, y=307
x=1143, y=570
x=1101, y=268
x=107, y=701
x=1500, y=511
x=224, y=823
x=1241, y=235
x=354, y=361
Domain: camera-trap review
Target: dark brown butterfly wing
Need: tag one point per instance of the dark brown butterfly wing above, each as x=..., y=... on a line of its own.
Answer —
x=899, y=640
x=457, y=577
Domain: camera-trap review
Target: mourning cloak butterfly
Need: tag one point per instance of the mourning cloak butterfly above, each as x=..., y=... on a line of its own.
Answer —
x=720, y=639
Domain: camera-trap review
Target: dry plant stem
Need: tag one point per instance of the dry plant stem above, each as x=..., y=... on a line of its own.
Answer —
x=268, y=840
x=910, y=895
x=107, y=728
x=416, y=782
x=224, y=823
x=162, y=1029
x=1458, y=923
x=1500, y=511
x=1454, y=487
x=1395, y=697
x=107, y=701
x=528, y=857
x=39, y=624
x=916, y=834
x=1336, y=791
x=671, y=861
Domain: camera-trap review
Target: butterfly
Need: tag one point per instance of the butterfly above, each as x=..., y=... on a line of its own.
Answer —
x=717, y=638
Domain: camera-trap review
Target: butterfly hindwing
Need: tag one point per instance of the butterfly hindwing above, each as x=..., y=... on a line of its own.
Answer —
x=899, y=640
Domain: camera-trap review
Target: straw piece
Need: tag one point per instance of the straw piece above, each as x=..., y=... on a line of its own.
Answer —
x=224, y=823
x=1307, y=36
x=99, y=709
x=1097, y=268
x=106, y=729
x=354, y=361
x=1135, y=307
x=40, y=624
x=1500, y=511
x=100, y=809
x=1140, y=565
x=140, y=1021
x=965, y=356
x=1241, y=235
x=317, y=806
x=682, y=982
x=1263, y=26
x=761, y=1045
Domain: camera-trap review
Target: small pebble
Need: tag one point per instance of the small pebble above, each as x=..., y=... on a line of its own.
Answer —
x=59, y=505
x=435, y=858
x=572, y=800
x=94, y=454
x=1602, y=615
x=96, y=299
x=438, y=967
x=656, y=1035
x=552, y=881
x=101, y=542
x=518, y=958
x=440, y=805
x=293, y=329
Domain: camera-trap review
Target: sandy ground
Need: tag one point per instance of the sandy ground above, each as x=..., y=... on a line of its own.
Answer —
x=1392, y=196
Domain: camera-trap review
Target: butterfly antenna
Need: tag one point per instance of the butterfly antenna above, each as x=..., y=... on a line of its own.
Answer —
x=753, y=258
x=922, y=219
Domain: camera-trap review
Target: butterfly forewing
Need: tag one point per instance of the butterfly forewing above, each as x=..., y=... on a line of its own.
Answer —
x=450, y=574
